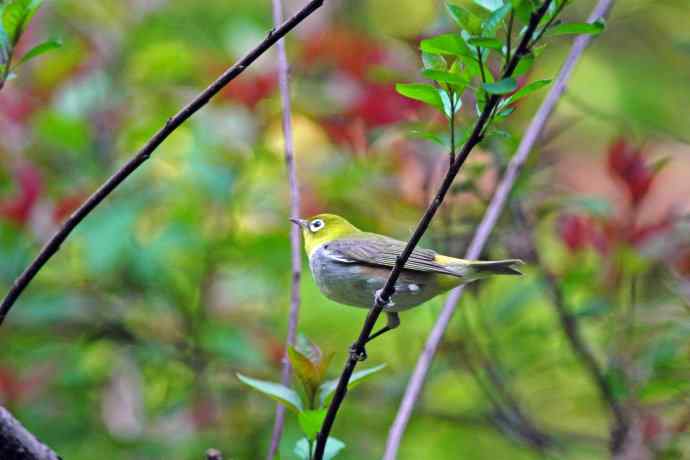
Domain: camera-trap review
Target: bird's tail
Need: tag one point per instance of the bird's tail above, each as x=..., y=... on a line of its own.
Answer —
x=481, y=269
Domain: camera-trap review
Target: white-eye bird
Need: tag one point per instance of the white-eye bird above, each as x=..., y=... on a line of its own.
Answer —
x=350, y=266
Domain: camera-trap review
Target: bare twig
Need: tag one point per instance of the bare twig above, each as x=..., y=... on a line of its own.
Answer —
x=491, y=216
x=124, y=172
x=295, y=249
x=16, y=443
x=384, y=296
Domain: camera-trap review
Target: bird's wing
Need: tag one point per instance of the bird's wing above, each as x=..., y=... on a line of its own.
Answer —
x=380, y=250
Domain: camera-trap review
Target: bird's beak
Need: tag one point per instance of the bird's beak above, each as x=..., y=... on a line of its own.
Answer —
x=301, y=222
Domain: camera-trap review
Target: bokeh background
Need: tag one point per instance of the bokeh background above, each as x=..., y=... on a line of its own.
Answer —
x=127, y=343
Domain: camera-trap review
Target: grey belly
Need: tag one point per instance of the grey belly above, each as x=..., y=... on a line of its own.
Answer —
x=355, y=284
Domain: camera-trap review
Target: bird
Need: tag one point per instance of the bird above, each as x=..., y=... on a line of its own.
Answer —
x=351, y=266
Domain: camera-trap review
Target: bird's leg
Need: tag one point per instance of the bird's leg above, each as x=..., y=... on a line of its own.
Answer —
x=393, y=322
x=357, y=353
x=378, y=298
x=360, y=353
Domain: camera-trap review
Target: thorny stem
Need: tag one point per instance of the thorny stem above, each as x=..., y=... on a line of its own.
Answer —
x=389, y=288
x=53, y=245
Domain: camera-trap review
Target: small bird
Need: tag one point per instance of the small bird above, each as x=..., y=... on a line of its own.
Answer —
x=351, y=267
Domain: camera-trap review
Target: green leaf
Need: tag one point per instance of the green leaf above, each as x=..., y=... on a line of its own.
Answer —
x=442, y=76
x=523, y=10
x=528, y=89
x=328, y=388
x=465, y=19
x=310, y=370
x=434, y=61
x=420, y=92
x=310, y=421
x=333, y=448
x=504, y=86
x=445, y=44
x=426, y=135
x=524, y=65
x=275, y=391
x=495, y=20
x=577, y=28
x=449, y=109
x=39, y=49
x=491, y=5
x=12, y=19
x=16, y=16
x=302, y=449
x=4, y=41
x=484, y=42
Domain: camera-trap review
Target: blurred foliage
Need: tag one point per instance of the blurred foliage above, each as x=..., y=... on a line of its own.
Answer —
x=128, y=342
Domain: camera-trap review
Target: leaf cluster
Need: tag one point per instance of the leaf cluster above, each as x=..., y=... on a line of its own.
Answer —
x=310, y=404
x=469, y=64
x=15, y=16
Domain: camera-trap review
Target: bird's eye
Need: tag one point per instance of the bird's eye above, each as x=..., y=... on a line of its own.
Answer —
x=316, y=225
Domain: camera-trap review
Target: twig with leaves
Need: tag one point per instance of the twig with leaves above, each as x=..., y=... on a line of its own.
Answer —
x=492, y=103
x=53, y=245
x=15, y=16
x=489, y=220
x=295, y=246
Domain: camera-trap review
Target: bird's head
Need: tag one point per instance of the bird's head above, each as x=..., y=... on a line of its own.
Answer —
x=323, y=228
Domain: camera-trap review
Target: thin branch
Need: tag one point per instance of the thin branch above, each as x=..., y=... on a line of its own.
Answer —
x=295, y=246
x=16, y=443
x=571, y=328
x=384, y=296
x=509, y=34
x=480, y=61
x=125, y=171
x=491, y=216
x=490, y=420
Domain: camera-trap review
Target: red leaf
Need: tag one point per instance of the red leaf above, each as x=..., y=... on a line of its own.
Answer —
x=67, y=206
x=575, y=231
x=345, y=49
x=380, y=105
x=628, y=164
x=18, y=208
x=252, y=88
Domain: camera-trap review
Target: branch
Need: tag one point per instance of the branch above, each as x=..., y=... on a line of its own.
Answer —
x=295, y=243
x=133, y=164
x=491, y=216
x=571, y=328
x=16, y=443
x=384, y=296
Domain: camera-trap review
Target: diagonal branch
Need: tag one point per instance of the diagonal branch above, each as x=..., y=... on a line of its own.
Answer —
x=295, y=246
x=491, y=216
x=16, y=443
x=53, y=245
x=384, y=296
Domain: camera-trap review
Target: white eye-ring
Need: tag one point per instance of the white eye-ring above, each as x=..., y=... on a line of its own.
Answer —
x=316, y=225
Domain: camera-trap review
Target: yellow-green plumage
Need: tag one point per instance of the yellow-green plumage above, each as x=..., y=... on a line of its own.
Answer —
x=350, y=265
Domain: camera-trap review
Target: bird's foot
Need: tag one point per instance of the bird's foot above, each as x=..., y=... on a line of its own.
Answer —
x=358, y=353
x=378, y=297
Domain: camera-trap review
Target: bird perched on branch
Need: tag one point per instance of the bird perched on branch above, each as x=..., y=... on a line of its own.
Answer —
x=351, y=267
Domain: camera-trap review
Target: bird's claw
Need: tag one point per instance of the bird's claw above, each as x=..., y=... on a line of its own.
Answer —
x=357, y=353
x=378, y=297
